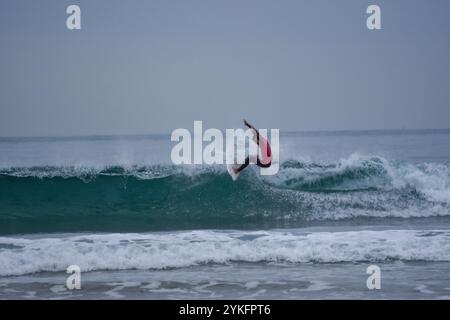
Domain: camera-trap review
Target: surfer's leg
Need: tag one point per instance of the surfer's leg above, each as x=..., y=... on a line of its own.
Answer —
x=243, y=166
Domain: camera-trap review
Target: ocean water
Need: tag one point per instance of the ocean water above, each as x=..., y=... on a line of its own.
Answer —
x=140, y=227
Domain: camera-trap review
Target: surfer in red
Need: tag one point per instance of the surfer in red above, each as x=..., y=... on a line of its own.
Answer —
x=266, y=153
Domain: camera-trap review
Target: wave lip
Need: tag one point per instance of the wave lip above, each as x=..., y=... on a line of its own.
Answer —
x=20, y=256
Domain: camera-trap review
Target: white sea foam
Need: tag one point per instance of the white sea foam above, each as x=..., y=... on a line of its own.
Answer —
x=182, y=249
x=430, y=179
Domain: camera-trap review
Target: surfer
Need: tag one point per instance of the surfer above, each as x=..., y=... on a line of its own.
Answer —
x=264, y=146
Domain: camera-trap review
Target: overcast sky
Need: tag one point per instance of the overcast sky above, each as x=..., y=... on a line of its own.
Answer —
x=153, y=66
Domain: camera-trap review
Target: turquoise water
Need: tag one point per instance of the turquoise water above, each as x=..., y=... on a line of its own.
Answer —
x=118, y=204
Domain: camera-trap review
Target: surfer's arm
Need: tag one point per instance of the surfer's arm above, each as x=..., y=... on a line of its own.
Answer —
x=253, y=128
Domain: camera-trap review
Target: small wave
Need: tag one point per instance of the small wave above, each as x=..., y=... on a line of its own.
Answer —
x=20, y=256
x=88, y=174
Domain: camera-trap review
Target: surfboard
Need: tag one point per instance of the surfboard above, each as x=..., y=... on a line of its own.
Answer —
x=233, y=174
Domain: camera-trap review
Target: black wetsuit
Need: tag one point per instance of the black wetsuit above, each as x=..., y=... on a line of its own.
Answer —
x=258, y=161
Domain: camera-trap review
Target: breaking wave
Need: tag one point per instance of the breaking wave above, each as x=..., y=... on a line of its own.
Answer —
x=139, y=198
x=183, y=249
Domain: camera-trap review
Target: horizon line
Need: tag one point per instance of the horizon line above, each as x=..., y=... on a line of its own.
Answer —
x=328, y=131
